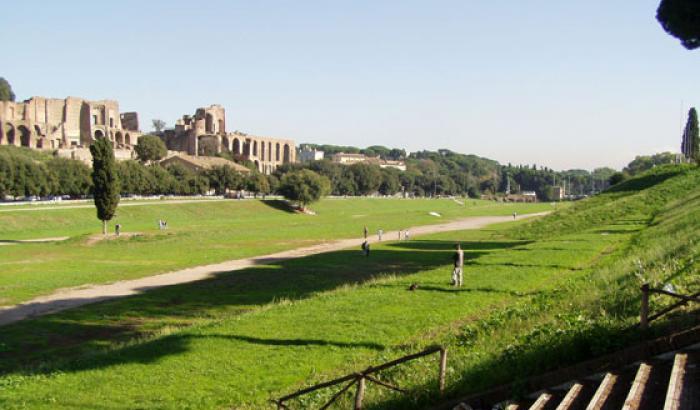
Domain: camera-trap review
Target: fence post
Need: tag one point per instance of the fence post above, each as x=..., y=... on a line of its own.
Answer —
x=360, y=393
x=644, y=312
x=443, y=368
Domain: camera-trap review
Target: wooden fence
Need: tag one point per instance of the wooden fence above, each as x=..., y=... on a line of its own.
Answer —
x=645, y=317
x=359, y=379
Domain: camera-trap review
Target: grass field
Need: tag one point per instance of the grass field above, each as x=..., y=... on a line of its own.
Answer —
x=198, y=233
x=536, y=296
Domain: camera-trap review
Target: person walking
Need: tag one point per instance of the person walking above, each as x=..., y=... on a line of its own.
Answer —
x=399, y=234
x=380, y=232
x=515, y=215
x=366, y=231
x=117, y=229
x=458, y=266
x=365, y=248
x=405, y=235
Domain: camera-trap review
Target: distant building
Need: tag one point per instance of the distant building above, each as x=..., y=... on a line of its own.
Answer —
x=307, y=155
x=400, y=165
x=200, y=163
x=558, y=193
x=349, y=159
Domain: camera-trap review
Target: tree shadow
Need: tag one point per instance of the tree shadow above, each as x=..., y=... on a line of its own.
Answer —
x=279, y=205
x=467, y=246
x=52, y=342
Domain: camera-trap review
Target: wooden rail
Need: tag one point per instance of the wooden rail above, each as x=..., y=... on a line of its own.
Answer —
x=645, y=317
x=360, y=379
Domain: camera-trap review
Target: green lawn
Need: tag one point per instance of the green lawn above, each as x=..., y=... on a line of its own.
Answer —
x=263, y=331
x=199, y=233
x=537, y=296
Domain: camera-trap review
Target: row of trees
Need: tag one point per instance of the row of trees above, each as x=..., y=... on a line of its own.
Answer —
x=23, y=173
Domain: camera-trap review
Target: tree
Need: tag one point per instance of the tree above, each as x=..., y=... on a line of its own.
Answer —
x=258, y=184
x=73, y=177
x=105, y=181
x=390, y=184
x=150, y=148
x=223, y=178
x=158, y=125
x=681, y=19
x=6, y=93
x=618, y=177
x=304, y=187
x=691, y=137
x=367, y=177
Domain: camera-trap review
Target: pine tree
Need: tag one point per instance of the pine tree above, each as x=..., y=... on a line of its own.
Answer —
x=691, y=137
x=105, y=181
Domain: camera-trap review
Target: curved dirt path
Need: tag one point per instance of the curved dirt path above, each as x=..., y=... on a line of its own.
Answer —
x=69, y=298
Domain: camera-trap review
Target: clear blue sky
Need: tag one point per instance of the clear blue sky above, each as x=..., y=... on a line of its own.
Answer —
x=567, y=84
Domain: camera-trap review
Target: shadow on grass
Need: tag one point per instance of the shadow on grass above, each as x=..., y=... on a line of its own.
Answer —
x=54, y=342
x=279, y=205
x=469, y=246
x=451, y=289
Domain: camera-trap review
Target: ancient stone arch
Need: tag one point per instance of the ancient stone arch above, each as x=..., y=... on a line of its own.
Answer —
x=209, y=124
x=127, y=139
x=25, y=136
x=119, y=137
x=269, y=151
x=277, y=152
x=287, y=154
x=262, y=150
x=99, y=134
x=236, y=146
x=9, y=134
x=255, y=148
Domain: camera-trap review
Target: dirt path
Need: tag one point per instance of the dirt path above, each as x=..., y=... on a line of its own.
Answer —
x=68, y=298
x=40, y=240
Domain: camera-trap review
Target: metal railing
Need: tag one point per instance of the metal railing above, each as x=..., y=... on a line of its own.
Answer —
x=359, y=379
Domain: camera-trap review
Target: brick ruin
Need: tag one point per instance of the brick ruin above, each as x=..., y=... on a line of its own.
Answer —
x=208, y=126
x=66, y=124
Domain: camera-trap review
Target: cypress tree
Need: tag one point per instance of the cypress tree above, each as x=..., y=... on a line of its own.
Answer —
x=691, y=137
x=105, y=181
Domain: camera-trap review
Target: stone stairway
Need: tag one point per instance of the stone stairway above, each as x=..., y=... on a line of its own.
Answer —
x=669, y=381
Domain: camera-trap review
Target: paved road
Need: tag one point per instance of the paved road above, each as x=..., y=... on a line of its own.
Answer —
x=68, y=298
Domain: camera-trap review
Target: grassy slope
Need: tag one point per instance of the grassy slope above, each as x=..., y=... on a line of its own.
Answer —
x=532, y=301
x=199, y=233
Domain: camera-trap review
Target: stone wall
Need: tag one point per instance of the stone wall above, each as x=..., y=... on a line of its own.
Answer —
x=51, y=123
x=209, y=124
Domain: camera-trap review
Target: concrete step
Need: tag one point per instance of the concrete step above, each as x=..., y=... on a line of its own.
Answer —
x=634, y=397
x=542, y=401
x=676, y=382
x=577, y=397
x=683, y=392
x=656, y=387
